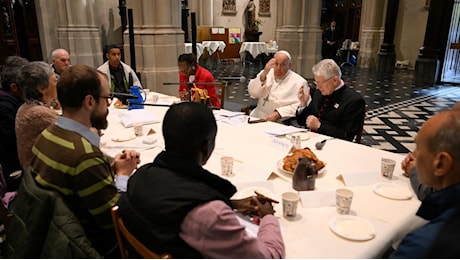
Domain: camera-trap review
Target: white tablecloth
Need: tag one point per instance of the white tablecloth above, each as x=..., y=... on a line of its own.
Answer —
x=199, y=49
x=254, y=48
x=256, y=155
x=213, y=46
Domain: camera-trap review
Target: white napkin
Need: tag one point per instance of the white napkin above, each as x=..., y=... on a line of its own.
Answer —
x=142, y=116
x=361, y=178
x=317, y=198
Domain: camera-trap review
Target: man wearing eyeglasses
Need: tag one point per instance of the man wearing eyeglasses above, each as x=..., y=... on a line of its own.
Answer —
x=331, y=108
x=66, y=156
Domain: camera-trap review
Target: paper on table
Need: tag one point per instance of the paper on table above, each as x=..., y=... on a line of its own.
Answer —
x=284, y=130
x=165, y=101
x=361, y=178
x=316, y=199
x=251, y=228
x=142, y=116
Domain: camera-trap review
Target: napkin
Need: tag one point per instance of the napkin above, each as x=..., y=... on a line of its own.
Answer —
x=138, y=116
x=361, y=178
x=316, y=199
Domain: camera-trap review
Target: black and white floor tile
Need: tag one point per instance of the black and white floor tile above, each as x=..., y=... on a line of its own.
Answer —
x=395, y=107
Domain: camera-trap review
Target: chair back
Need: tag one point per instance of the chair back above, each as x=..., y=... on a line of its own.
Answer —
x=125, y=237
x=220, y=92
x=359, y=134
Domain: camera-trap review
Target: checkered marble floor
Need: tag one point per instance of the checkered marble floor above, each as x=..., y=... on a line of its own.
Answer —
x=395, y=107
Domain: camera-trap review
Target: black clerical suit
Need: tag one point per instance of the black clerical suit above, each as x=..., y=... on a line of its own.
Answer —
x=330, y=51
x=340, y=114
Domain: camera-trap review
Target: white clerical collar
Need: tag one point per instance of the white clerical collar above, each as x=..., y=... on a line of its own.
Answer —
x=340, y=86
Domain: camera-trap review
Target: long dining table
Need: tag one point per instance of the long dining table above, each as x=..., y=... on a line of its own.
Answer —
x=258, y=150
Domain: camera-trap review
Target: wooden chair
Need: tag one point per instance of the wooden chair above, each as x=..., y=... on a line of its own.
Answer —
x=124, y=236
x=220, y=92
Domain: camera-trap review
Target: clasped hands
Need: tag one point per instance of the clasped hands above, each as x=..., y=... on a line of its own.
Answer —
x=125, y=162
x=258, y=205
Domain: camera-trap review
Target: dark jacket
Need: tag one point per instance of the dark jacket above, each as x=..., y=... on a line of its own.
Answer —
x=342, y=115
x=161, y=194
x=42, y=226
x=439, y=208
x=9, y=106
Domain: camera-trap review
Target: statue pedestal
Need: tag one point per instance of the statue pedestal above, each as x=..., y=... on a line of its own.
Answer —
x=251, y=36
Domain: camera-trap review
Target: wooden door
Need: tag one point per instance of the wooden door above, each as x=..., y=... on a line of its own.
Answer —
x=19, y=30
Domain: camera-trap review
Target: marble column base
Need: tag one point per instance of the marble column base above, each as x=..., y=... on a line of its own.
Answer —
x=426, y=71
x=386, y=63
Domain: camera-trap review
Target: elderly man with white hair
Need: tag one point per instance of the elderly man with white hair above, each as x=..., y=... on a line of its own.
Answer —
x=331, y=108
x=60, y=59
x=276, y=87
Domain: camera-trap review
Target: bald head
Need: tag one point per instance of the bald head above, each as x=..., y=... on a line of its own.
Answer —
x=438, y=150
x=61, y=60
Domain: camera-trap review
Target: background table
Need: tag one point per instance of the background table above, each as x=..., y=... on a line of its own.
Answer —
x=254, y=48
x=199, y=49
x=213, y=46
x=256, y=156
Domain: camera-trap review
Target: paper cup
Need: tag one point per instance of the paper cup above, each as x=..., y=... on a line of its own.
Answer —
x=290, y=202
x=388, y=167
x=138, y=129
x=227, y=165
x=343, y=200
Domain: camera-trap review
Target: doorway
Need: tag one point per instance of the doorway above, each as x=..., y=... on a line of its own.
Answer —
x=451, y=68
x=19, y=30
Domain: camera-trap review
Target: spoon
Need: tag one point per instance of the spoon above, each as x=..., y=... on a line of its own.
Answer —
x=320, y=145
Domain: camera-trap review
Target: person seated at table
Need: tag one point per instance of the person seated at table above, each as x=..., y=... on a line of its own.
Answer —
x=410, y=171
x=332, y=108
x=60, y=59
x=437, y=156
x=11, y=98
x=276, y=88
x=66, y=156
x=191, y=72
x=119, y=74
x=188, y=212
x=38, y=81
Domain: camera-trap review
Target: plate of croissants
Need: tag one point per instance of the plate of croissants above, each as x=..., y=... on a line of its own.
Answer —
x=289, y=162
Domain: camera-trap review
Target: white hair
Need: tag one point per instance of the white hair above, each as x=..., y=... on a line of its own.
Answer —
x=327, y=68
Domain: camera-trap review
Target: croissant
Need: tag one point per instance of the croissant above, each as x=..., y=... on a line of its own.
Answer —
x=290, y=161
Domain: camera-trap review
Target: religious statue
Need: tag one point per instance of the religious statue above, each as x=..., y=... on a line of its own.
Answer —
x=252, y=23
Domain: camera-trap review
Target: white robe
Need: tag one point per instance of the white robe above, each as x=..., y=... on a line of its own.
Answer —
x=282, y=94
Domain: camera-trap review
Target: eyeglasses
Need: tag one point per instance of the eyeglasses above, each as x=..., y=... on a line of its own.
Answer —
x=108, y=98
x=320, y=83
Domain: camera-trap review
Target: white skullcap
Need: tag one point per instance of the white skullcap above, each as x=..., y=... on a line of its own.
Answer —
x=285, y=53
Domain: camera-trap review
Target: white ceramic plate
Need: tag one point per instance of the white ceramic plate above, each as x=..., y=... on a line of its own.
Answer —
x=279, y=164
x=393, y=191
x=123, y=137
x=303, y=135
x=352, y=227
x=248, y=192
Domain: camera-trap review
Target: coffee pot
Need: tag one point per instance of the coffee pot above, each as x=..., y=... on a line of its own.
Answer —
x=305, y=174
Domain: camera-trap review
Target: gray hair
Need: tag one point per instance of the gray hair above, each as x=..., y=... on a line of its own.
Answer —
x=33, y=75
x=327, y=68
x=448, y=137
x=56, y=53
x=9, y=74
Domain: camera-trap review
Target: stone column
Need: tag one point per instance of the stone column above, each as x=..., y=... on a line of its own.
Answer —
x=371, y=35
x=387, y=55
x=298, y=31
x=79, y=33
x=427, y=66
x=159, y=40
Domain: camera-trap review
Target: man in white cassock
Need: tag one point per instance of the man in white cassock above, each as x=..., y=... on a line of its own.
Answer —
x=276, y=87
